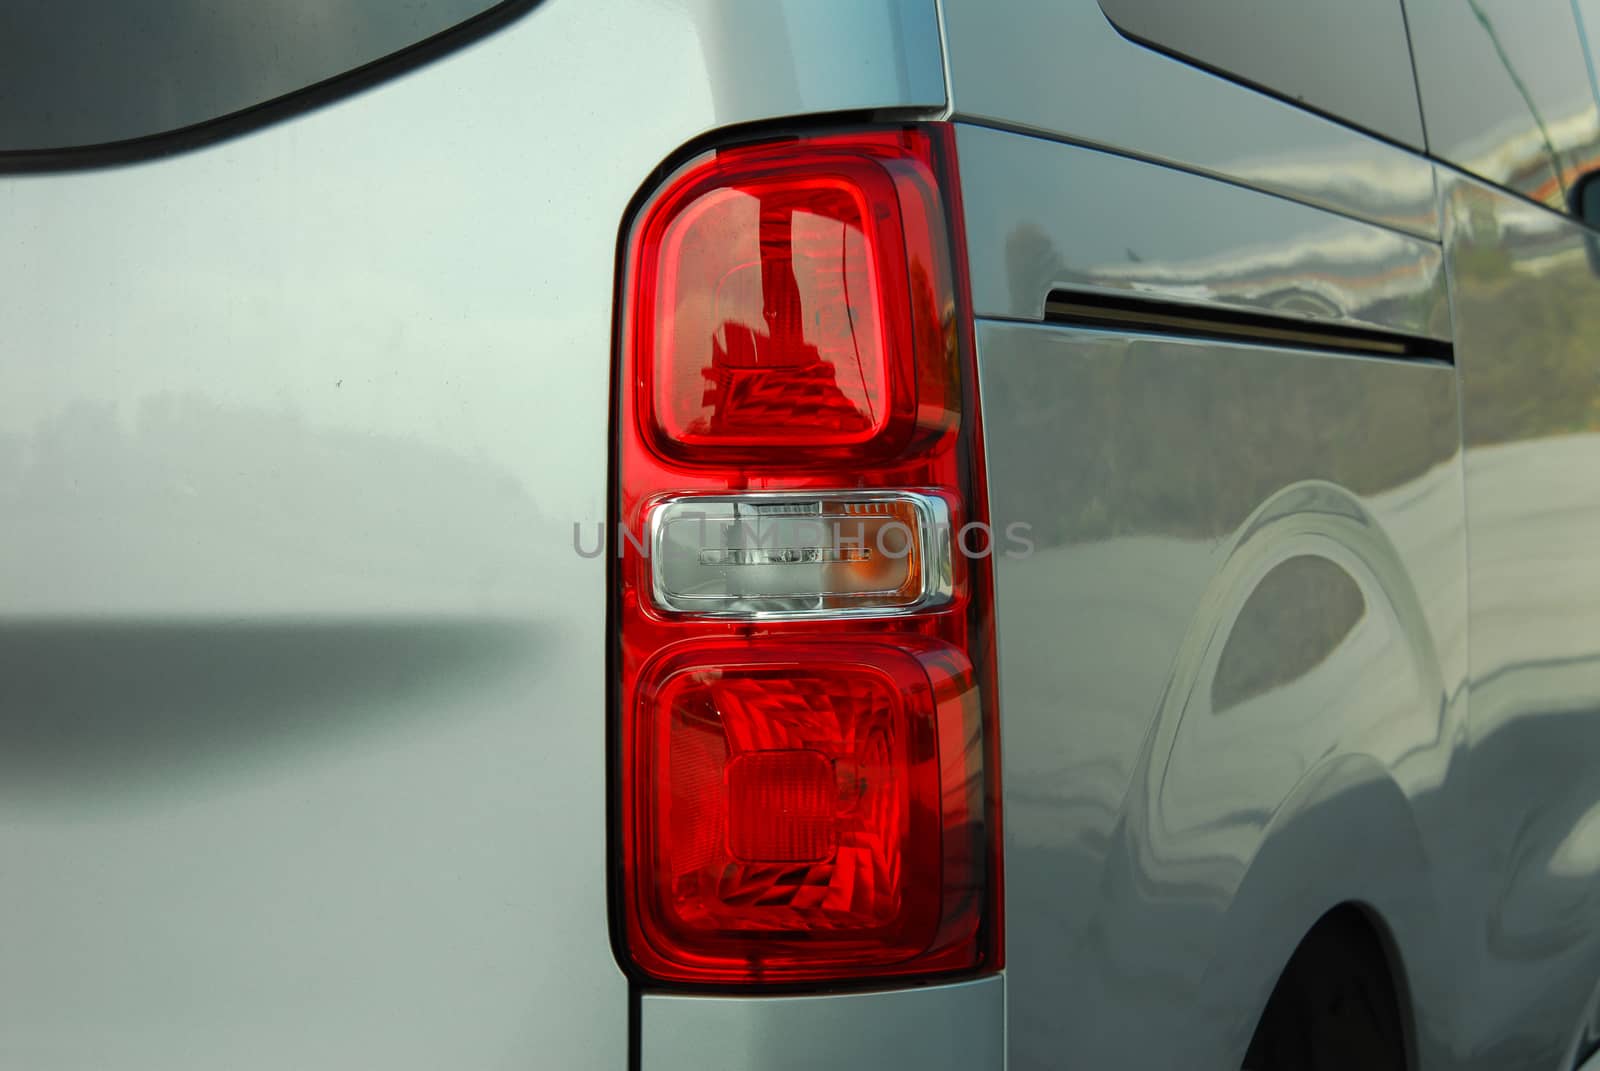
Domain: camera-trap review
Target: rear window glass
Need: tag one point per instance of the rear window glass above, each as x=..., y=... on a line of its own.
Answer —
x=77, y=73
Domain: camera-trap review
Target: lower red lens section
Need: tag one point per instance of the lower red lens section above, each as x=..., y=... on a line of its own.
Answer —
x=805, y=807
x=783, y=806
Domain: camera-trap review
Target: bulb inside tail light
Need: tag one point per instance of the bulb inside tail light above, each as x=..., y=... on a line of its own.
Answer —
x=809, y=773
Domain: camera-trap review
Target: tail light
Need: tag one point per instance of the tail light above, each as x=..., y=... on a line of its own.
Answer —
x=808, y=772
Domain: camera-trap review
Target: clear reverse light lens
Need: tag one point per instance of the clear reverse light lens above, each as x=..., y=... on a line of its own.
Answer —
x=786, y=555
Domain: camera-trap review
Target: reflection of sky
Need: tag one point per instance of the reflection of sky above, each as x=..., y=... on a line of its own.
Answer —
x=1529, y=31
x=1587, y=13
x=1102, y=88
x=1494, y=95
x=1043, y=216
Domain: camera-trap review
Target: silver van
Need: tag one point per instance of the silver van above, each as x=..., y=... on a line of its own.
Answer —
x=760, y=535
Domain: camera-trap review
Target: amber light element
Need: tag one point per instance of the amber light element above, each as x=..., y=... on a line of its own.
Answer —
x=807, y=775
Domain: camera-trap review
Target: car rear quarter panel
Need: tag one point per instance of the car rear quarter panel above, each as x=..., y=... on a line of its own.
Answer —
x=1233, y=664
x=1526, y=297
x=1300, y=627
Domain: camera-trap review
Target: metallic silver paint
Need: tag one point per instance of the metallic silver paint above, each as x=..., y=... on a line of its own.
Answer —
x=1349, y=59
x=956, y=1027
x=302, y=681
x=1060, y=68
x=1507, y=92
x=1043, y=216
x=1528, y=348
x=302, y=756
x=1236, y=671
x=1231, y=678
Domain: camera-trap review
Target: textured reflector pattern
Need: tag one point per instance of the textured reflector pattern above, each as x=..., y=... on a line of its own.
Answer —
x=782, y=807
x=810, y=825
x=806, y=807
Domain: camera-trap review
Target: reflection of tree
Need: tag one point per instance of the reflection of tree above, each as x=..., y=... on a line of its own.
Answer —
x=746, y=394
x=209, y=505
x=1149, y=436
x=1527, y=340
x=766, y=373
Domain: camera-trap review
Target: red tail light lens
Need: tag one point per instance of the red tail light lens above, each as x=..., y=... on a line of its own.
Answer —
x=782, y=806
x=779, y=301
x=795, y=798
x=808, y=775
x=764, y=343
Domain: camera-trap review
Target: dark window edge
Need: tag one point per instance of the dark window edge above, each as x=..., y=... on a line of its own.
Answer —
x=278, y=109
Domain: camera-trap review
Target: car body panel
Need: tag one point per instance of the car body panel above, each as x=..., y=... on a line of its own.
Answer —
x=1350, y=59
x=304, y=460
x=1220, y=640
x=1528, y=348
x=1045, y=216
x=954, y=1027
x=302, y=432
x=1061, y=69
x=1507, y=92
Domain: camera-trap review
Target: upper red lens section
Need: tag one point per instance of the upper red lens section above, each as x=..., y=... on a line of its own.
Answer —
x=763, y=342
x=789, y=303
